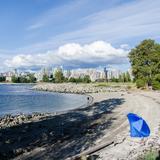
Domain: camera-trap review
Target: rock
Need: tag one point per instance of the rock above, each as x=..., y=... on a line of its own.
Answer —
x=44, y=136
x=18, y=151
x=51, y=133
x=8, y=141
x=75, y=88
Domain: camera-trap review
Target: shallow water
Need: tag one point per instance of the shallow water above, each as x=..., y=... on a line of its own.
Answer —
x=19, y=98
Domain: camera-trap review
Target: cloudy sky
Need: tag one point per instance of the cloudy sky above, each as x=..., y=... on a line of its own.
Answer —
x=74, y=33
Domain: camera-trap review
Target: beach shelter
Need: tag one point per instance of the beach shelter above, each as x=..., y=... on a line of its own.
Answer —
x=138, y=126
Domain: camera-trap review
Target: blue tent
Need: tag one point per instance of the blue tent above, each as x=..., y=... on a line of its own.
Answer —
x=138, y=126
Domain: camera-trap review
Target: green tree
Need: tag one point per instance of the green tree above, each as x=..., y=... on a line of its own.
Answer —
x=140, y=83
x=73, y=80
x=124, y=77
x=156, y=82
x=145, y=61
x=15, y=79
x=120, y=79
x=128, y=77
x=86, y=79
x=2, y=79
x=59, y=78
x=45, y=78
x=22, y=79
x=32, y=78
x=79, y=80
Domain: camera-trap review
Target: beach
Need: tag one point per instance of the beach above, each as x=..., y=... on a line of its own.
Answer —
x=70, y=134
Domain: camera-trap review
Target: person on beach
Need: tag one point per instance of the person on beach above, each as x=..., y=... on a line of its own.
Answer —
x=88, y=99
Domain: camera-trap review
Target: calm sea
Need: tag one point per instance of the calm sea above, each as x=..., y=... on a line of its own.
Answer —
x=20, y=98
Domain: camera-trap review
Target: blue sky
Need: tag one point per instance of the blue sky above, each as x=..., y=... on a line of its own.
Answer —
x=74, y=33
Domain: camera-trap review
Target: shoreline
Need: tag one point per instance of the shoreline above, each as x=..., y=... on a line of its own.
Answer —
x=9, y=123
x=82, y=129
x=20, y=118
x=15, y=83
x=89, y=102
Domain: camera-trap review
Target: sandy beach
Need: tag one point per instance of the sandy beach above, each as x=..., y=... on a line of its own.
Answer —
x=63, y=136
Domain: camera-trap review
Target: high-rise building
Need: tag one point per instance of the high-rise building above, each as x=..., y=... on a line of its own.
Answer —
x=114, y=73
x=66, y=73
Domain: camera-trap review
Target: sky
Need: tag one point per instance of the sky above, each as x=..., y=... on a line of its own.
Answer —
x=74, y=33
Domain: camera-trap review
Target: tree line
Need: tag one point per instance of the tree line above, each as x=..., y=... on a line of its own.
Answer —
x=124, y=77
x=59, y=78
x=30, y=78
x=2, y=79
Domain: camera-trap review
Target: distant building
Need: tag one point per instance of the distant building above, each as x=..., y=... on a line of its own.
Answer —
x=44, y=71
x=95, y=76
x=8, y=79
x=114, y=73
x=130, y=73
x=106, y=73
x=8, y=76
x=66, y=73
x=93, y=73
x=39, y=76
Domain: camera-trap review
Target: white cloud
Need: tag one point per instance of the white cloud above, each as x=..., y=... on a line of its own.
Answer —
x=96, y=53
x=21, y=60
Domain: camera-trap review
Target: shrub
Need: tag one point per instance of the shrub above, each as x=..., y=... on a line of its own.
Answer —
x=140, y=83
x=45, y=78
x=86, y=79
x=73, y=80
x=151, y=156
x=156, y=85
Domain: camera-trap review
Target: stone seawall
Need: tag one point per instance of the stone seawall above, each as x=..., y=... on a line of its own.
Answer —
x=76, y=88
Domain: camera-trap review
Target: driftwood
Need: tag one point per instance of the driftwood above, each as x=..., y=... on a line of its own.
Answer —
x=111, y=140
x=91, y=151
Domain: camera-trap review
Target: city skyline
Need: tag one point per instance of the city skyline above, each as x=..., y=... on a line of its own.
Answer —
x=94, y=73
x=75, y=34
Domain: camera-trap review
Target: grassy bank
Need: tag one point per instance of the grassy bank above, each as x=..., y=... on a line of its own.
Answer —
x=114, y=84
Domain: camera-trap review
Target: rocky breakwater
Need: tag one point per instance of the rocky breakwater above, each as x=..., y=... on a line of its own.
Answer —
x=76, y=88
x=16, y=131
x=13, y=120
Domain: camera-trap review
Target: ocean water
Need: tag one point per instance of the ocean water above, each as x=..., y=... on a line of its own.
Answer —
x=20, y=98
